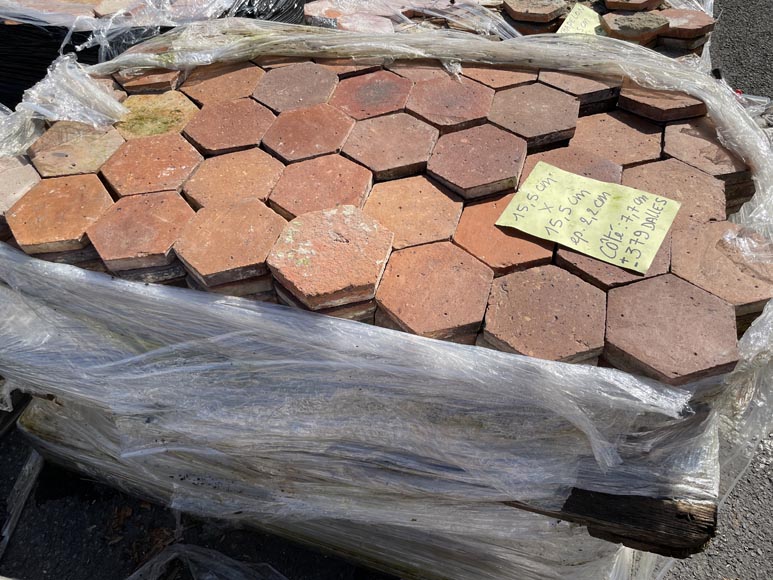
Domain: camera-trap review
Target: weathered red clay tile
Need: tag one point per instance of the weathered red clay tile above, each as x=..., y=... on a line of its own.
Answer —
x=330, y=258
x=436, y=290
x=149, y=81
x=371, y=95
x=225, y=179
x=391, y=146
x=498, y=77
x=54, y=215
x=702, y=196
x=270, y=62
x=415, y=209
x=619, y=137
x=705, y=255
x=449, y=103
x=111, y=87
x=348, y=67
x=535, y=10
x=150, y=115
x=363, y=22
x=660, y=106
x=17, y=177
x=69, y=148
x=320, y=183
x=595, y=94
x=504, y=250
x=546, y=313
x=695, y=142
x=478, y=162
x=295, y=86
x=222, y=82
x=360, y=311
x=536, y=112
x=305, y=133
x=639, y=27
x=632, y=5
x=604, y=275
x=229, y=126
x=138, y=232
x=419, y=69
x=670, y=330
x=228, y=243
x=575, y=160
x=687, y=24
x=258, y=288
x=150, y=164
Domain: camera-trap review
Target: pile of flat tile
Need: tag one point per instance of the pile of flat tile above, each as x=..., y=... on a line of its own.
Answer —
x=371, y=193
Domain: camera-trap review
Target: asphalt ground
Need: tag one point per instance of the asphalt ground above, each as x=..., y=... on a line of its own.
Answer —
x=76, y=529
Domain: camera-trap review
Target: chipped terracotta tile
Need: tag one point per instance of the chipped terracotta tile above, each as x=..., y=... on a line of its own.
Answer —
x=222, y=82
x=148, y=81
x=687, y=24
x=149, y=115
x=660, y=106
x=17, y=177
x=70, y=148
x=229, y=126
x=535, y=10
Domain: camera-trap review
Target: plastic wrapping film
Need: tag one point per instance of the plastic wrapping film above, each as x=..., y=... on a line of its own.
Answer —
x=391, y=448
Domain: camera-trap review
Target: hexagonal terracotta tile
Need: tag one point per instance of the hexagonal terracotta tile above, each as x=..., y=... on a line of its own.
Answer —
x=595, y=95
x=360, y=311
x=148, y=81
x=604, y=275
x=530, y=11
x=687, y=24
x=620, y=137
x=111, y=87
x=54, y=215
x=270, y=61
x=391, y=146
x=419, y=69
x=575, y=160
x=151, y=164
x=536, y=112
x=696, y=143
x=225, y=179
x=660, y=106
x=17, y=177
x=450, y=104
x=670, y=330
x=546, y=313
x=258, y=288
x=229, y=126
x=296, y=86
x=637, y=27
x=415, y=209
x=504, y=250
x=348, y=67
x=320, y=183
x=478, y=162
x=69, y=148
x=371, y=95
x=705, y=255
x=228, y=243
x=222, y=82
x=498, y=77
x=436, y=290
x=150, y=115
x=702, y=196
x=330, y=258
x=139, y=231
x=305, y=133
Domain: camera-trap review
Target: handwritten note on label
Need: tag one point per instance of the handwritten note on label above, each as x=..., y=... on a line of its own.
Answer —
x=614, y=223
x=582, y=20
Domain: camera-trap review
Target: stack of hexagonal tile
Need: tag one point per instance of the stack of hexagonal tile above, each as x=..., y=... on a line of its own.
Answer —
x=372, y=193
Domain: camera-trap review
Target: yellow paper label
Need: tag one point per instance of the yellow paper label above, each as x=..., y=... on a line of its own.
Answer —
x=614, y=223
x=582, y=20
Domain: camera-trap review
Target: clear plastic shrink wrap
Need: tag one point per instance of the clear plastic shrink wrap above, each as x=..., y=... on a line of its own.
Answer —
x=393, y=449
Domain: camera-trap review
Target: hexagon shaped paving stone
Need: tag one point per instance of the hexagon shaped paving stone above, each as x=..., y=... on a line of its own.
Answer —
x=69, y=148
x=320, y=183
x=151, y=81
x=660, y=106
x=415, y=209
x=54, y=215
x=371, y=95
x=536, y=112
x=449, y=103
x=149, y=115
x=229, y=126
x=498, y=77
x=151, y=164
x=330, y=258
x=535, y=10
x=296, y=86
x=227, y=243
x=306, y=133
x=222, y=82
x=139, y=231
x=687, y=24
x=589, y=91
x=436, y=290
x=620, y=137
x=670, y=330
x=504, y=250
x=17, y=177
x=576, y=160
x=705, y=255
x=479, y=161
x=546, y=313
x=418, y=69
x=391, y=146
x=249, y=174
x=348, y=67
